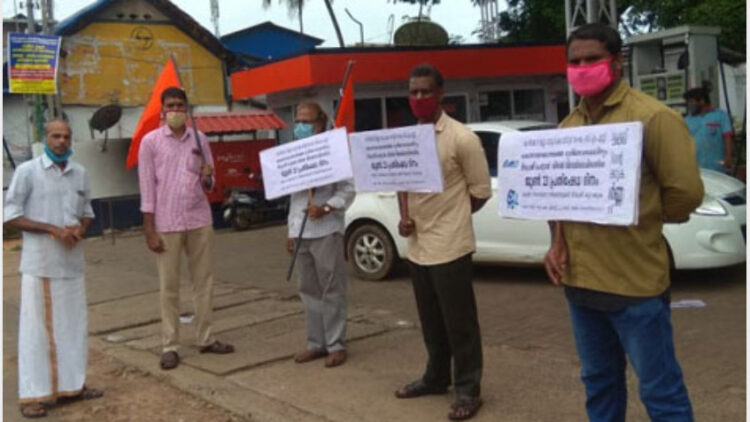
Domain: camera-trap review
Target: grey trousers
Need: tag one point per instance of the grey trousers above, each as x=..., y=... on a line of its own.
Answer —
x=322, y=287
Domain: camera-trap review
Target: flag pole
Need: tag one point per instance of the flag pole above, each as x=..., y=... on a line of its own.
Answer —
x=189, y=110
x=347, y=75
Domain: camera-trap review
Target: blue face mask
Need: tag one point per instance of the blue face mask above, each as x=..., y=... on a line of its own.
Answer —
x=55, y=157
x=303, y=130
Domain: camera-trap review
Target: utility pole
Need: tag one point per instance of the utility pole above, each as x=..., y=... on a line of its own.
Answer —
x=38, y=129
x=215, y=16
x=578, y=12
x=54, y=106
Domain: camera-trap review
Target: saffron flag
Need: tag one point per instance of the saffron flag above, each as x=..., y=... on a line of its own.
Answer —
x=152, y=113
x=345, y=115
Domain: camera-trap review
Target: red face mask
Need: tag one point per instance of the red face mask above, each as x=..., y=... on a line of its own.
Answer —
x=423, y=108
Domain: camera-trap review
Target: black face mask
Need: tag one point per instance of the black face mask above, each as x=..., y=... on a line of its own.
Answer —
x=694, y=109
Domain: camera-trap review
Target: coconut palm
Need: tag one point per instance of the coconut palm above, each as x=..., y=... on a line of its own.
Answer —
x=296, y=6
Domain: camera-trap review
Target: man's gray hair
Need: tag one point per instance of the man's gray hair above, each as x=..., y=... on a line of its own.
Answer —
x=57, y=120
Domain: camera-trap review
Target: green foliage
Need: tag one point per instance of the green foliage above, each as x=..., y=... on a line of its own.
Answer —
x=544, y=20
x=533, y=21
x=729, y=15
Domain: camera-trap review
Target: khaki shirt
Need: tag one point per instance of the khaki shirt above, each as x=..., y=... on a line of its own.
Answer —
x=443, y=220
x=632, y=260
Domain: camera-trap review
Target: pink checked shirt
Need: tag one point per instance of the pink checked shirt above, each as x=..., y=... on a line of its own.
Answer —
x=169, y=176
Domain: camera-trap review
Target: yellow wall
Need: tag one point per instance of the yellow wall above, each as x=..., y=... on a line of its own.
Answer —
x=116, y=61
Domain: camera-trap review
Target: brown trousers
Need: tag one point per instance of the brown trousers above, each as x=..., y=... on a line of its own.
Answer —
x=198, y=246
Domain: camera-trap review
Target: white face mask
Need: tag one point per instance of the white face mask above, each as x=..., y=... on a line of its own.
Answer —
x=176, y=119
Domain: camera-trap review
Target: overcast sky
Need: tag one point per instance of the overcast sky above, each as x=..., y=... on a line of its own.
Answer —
x=458, y=17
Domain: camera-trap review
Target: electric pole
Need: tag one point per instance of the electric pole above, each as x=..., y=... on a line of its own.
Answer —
x=38, y=128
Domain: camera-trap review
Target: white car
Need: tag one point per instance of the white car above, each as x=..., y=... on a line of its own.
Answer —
x=713, y=237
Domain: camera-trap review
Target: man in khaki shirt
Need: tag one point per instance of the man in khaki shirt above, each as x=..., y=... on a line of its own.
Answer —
x=617, y=278
x=441, y=241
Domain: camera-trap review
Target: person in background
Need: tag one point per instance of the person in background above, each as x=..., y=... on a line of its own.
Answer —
x=711, y=130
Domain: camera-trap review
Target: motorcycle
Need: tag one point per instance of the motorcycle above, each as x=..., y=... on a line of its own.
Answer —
x=247, y=206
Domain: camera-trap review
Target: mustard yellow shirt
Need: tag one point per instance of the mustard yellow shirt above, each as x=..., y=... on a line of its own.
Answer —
x=443, y=229
x=632, y=260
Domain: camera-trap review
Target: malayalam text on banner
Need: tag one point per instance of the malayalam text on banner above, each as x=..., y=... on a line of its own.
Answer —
x=588, y=174
x=307, y=163
x=400, y=159
x=32, y=64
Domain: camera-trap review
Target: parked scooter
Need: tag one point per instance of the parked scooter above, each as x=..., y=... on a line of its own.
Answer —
x=246, y=206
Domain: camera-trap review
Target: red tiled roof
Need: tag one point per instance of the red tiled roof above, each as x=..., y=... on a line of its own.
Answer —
x=234, y=122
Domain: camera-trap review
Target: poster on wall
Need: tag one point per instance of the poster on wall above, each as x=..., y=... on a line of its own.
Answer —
x=588, y=174
x=32, y=63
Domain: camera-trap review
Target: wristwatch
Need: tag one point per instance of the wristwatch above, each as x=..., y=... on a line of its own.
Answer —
x=326, y=208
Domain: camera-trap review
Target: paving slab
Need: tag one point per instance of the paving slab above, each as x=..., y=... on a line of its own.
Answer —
x=363, y=388
x=256, y=345
x=144, y=309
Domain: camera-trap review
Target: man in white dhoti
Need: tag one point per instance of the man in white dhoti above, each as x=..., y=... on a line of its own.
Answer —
x=48, y=199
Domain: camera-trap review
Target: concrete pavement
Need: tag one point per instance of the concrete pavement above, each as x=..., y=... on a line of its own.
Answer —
x=262, y=316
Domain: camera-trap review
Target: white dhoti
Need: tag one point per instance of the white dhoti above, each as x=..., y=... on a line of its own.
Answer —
x=52, y=349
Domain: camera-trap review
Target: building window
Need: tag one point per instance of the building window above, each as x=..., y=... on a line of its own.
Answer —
x=455, y=106
x=520, y=104
x=398, y=112
x=368, y=114
x=528, y=104
x=495, y=105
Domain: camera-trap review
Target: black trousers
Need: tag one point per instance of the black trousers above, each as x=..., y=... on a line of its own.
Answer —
x=448, y=314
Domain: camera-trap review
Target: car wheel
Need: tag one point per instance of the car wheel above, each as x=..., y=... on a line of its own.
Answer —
x=371, y=252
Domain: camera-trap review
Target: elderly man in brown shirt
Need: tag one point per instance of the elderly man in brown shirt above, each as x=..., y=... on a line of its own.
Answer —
x=441, y=241
x=617, y=278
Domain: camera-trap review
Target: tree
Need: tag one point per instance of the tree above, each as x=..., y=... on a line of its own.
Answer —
x=533, y=21
x=729, y=15
x=544, y=20
x=298, y=5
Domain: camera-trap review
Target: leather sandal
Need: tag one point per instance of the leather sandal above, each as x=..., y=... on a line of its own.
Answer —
x=218, y=348
x=308, y=355
x=85, y=394
x=169, y=360
x=464, y=408
x=419, y=388
x=336, y=358
x=33, y=410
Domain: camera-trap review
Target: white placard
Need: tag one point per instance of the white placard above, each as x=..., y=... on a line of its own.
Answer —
x=589, y=174
x=307, y=163
x=400, y=159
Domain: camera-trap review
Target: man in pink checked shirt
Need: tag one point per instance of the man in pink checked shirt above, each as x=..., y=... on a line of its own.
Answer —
x=174, y=174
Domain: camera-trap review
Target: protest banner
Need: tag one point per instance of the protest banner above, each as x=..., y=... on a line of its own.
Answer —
x=307, y=163
x=588, y=174
x=402, y=159
x=32, y=64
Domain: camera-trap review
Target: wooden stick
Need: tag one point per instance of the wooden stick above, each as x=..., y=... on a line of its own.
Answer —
x=403, y=205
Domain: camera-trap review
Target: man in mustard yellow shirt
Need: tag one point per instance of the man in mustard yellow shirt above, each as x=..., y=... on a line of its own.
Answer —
x=441, y=241
x=616, y=278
